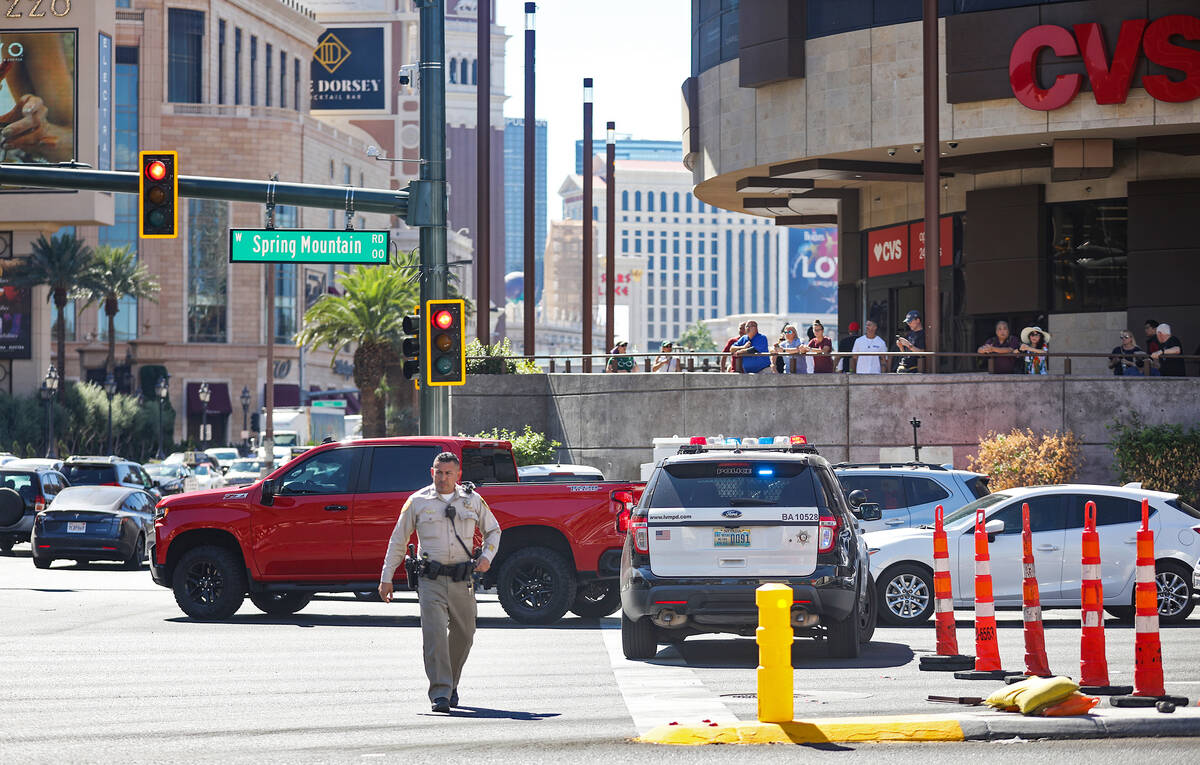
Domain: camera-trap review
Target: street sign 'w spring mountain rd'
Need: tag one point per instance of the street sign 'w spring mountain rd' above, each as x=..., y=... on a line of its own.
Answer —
x=254, y=245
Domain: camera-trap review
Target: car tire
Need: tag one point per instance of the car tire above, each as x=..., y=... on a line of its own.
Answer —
x=905, y=595
x=1175, y=592
x=639, y=639
x=869, y=613
x=597, y=599
x=209, y=583
x=12, y=507
x=6, y=545
x=368, y=596
x=42, y=562
x=137, y=555
x=536, y=585
x=280, y=603
x=844, y=637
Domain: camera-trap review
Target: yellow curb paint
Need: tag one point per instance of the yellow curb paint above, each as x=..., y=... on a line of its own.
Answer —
x=821, y=731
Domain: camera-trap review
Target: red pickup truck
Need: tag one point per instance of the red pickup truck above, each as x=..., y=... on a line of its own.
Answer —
x=321, y=523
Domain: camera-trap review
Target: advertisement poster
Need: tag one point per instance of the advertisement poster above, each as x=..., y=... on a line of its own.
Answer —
x=812, y=271
x=349, y=70
x=37, y=96
x=16, y=310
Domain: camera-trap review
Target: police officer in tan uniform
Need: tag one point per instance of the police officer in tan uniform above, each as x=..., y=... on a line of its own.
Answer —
x=444, y=515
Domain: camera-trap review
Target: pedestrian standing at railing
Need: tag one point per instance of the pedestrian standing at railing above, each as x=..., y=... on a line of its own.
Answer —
x=666, y=362
x=1127, y=358
x=619, y=363
x=752, y=350
x=869, y=343
x=819, y=349
x=1005, y=347
x=730, y=362
x=1035, y=342
x=793, y=350
x=846, y=345
x=1168, y=346
x=913, y=341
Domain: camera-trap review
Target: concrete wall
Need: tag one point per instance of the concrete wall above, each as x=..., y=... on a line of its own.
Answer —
x=609, y=420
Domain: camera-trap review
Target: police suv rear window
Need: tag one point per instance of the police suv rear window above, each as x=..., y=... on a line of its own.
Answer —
x=734, y=483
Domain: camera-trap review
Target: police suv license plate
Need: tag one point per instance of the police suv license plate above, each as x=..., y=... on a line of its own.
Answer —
x=76, y=527
x=731, y=537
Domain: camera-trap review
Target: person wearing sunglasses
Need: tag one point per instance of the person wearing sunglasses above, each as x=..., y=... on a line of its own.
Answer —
x=1127, y=358
x=619, y=363
x=1035, y=342
x=793, y=351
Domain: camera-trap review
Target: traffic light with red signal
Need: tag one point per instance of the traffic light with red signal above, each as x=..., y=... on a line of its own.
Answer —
x=445, y=349
x=158, y=195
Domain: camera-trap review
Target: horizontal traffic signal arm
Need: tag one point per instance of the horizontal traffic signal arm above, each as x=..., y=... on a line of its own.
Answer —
x=198, y=187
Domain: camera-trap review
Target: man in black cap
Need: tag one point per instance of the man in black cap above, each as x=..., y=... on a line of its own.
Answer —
x=913, y=341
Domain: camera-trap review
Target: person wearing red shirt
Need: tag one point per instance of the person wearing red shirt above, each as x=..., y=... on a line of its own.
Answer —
x=820, y=349
x=735, y=363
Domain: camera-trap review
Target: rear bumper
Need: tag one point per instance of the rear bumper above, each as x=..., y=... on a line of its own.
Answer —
x=81, y=547
x=19, y=531
x=729, y=604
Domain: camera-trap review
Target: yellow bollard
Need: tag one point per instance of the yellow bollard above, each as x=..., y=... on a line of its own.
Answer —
x=774, y=638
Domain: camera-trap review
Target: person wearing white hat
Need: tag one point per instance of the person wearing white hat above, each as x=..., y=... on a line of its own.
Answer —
x=1168, y=345
x=1035, y=342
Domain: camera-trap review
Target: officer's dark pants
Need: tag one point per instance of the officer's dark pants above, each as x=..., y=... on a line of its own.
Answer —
x=447, y=629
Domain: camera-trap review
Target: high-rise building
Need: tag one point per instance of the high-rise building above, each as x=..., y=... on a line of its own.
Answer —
x=631, y=148
x=514, y=197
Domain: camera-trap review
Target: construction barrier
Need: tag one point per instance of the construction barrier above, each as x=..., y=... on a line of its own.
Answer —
x=1036, y=662
x=1093, y=664
x=948, y=658
x=987, y=651
x=774, y=637
x=1148, y=671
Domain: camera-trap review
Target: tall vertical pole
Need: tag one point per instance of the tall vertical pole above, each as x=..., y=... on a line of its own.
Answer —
x=589, y=290
x=268, y=441
x=530, y=183
x=483, y=214
x=933, y=303
x=610, y=234
x=434, y=401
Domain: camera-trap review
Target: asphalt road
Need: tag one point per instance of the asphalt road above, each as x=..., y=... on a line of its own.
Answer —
x=101, y=666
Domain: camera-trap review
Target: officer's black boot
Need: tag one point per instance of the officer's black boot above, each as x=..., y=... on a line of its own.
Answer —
x=454, y=698
x=441, y=704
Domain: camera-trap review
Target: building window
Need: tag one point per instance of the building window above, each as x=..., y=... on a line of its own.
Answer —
x=253, y=70
x=269, y=81
x=650, y=245
x=237, y=66
x=453, y=71
x=625, y=200
x=474, y=72
x=1089, y=267
x=637, y=200
x=221, y=61
x=624, y=244
x=463, y=73
x=637, y=246
x=282, y=80
x=208, y=271
x=650, y=202
x=185, y=52
x=688, y=200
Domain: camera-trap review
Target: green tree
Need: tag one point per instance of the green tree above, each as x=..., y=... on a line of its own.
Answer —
x=697, y=338
x=114, y=274
x=529, y=447
x=60, y=263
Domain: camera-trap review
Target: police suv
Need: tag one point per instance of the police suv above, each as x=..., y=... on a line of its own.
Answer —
x=716, y=522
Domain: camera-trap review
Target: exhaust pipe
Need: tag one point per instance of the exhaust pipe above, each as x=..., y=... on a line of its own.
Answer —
x=668, y=618
x=803, y=618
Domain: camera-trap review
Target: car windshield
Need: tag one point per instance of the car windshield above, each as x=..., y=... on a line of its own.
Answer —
x=224, y=454
x=163, y=471
x=245, y=466
x=734, y=484
x=968, y=510
x=91, y=475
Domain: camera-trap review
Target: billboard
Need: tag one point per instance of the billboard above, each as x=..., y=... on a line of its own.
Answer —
x=349, y=70
x=812, y=270
x=38, y=96
x=16, y=310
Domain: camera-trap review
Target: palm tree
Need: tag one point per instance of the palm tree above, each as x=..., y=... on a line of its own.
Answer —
x=114, y=274
x=368, y=315
x=60, y=263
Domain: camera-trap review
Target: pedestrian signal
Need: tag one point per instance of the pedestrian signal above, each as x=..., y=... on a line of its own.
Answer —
x=158, y=195
x=445, y=354
x=411, y=346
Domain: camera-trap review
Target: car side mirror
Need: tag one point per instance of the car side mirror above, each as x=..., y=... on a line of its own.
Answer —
x=856, y=497
x=994, y=527
x=870, y=511
x=268, y=492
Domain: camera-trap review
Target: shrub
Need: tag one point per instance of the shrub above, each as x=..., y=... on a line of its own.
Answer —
x=529, y=447
x=1161, y=457
x=1021, y=458
x=496, y=362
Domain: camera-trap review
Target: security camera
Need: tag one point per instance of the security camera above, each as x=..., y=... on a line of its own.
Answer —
x=916, y=150
x=891, y=152
x=952, y=144
x=372, y=151
x=407, y=75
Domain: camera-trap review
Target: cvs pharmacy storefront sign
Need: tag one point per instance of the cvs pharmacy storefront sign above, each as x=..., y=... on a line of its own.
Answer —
x=1110, y=74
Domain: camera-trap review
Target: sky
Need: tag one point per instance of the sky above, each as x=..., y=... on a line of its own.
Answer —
x=638, y=52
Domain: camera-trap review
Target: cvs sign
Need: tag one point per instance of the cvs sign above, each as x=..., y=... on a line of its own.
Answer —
x=1110, y=77
x=887, y=251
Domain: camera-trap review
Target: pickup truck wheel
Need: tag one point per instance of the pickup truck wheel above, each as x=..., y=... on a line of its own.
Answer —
x=639, y=639
x=845, y=637
x=536, y=585
x=281, y=603
x=905, y=595
x=597, y=599
x=209, y=583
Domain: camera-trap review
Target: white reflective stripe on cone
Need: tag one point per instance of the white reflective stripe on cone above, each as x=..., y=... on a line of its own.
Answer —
x=1032, y=613
x=943, y=606
x=941, y=565
x=1145, y=623
x=1091, y=572
x=1145, y=574
x=1028, y=569
x=1091, y=619
x=984, y=610
x=983, y=568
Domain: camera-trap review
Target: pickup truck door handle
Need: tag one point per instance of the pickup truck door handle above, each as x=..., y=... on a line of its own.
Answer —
x=336, y=508
x=1047, y=548
x=893, y=522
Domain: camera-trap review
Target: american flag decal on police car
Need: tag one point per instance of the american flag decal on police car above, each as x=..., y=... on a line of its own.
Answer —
x=664, y=534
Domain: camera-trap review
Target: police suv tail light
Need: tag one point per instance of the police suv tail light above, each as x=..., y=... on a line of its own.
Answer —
x=641, y=537
x=826, y=533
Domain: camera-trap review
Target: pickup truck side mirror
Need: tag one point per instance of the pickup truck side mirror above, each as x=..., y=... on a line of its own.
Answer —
x=857, y=497
x=870, y=511
x=268, y=492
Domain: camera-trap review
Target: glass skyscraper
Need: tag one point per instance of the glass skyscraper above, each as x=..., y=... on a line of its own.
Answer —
x=514, y=197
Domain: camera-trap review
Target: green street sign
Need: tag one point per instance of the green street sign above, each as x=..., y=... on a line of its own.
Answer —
x=330, y=403
x=293, y=245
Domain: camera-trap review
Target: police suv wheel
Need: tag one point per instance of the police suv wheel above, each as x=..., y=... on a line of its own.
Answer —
x=536, y=585
x=209, y=583
x=281, y=603
x=639, y=639
x=597, y=599
x=845, y=637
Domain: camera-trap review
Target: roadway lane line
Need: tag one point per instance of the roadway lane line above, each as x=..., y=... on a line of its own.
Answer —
x=659, y=694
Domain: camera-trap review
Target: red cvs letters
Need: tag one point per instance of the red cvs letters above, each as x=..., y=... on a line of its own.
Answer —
x=1110, y=77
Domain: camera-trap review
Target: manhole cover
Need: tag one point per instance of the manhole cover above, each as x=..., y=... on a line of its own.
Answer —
x=816, y=695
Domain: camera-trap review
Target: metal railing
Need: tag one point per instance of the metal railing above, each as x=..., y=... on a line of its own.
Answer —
x=1059, y=363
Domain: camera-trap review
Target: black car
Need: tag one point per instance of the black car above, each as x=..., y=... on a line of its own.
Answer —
x=714, y=525
x=37, y=487
x=87, y=523
x=109, y=471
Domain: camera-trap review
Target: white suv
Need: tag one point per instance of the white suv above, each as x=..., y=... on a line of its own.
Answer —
x=909, y=492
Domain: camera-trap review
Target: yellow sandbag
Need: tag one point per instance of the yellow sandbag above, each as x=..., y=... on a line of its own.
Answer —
x=1041, y=692
x=1075, y=704
x=1005, y=697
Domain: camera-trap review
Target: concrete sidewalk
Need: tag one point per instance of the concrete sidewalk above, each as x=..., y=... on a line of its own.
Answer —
x=972, y=724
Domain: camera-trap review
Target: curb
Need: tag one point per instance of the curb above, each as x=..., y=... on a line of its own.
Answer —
x=980, y=726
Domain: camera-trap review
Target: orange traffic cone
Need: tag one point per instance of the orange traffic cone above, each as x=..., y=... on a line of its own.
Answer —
x=1093, y=665
x=948, y=658
x=987, y=651
x=1036, y=662
x=1148, y=672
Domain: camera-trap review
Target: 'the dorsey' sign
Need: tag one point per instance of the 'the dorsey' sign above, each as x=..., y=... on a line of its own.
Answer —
x=348, y=70
x=1110, y=77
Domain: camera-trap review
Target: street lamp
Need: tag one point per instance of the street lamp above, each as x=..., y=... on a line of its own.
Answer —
x=162, y=388
x=245, y=412
x=48, y=391
x=110, y=389
x=205, y=396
